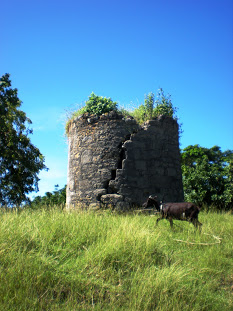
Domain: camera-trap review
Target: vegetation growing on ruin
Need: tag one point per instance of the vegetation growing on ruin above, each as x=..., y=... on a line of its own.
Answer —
x=96, y=105
x=150, y=109
x=54, y=260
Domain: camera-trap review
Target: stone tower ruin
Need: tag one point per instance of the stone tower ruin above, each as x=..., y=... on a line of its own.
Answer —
x=113, y=161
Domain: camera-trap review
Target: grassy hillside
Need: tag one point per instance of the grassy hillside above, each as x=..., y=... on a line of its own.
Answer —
x=54, y=260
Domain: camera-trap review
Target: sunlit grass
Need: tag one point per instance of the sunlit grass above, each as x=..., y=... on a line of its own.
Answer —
x=56, y=260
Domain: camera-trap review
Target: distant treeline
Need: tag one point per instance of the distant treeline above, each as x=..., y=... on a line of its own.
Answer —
x=55, y=198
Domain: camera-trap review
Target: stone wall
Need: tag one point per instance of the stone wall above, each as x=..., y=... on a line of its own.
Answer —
x=115, y=162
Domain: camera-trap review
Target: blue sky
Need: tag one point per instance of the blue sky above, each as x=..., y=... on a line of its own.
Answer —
x=58, y=52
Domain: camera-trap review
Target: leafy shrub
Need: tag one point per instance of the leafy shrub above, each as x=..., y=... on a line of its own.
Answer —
x=94, y=105
x=99, y=105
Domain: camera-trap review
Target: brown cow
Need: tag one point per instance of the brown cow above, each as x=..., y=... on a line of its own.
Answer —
x=180, y=211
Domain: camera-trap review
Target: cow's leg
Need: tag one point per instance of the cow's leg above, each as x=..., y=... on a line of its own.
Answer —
x=199, y=225
x=171, y=222
x=160, y=218
x=196, y=223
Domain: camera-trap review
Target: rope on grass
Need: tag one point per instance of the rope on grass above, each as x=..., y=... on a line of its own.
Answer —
x=197, y=243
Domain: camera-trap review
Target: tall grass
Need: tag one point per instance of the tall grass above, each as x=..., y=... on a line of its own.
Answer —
x=55, y=260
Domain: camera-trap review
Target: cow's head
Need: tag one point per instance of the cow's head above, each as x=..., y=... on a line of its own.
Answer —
x=151, y=202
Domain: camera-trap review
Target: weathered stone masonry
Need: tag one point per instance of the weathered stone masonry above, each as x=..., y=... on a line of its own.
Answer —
x=114, y=161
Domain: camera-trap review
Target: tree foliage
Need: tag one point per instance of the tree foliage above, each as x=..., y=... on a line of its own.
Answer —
x=20, y=160
x=208, y=176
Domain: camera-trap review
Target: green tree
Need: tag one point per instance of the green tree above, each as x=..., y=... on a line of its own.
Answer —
x=208, y=176
x=20, y=160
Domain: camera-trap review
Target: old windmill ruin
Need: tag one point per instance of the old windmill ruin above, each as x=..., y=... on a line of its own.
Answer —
x=114, y=161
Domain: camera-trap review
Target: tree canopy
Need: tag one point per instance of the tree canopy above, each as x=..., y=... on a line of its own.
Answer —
x=20, y=160
x=208, y=176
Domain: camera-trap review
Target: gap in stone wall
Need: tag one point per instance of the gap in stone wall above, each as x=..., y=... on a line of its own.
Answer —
x=119, y=165
x=122, y=152
x=122, y=156
x=113, y=174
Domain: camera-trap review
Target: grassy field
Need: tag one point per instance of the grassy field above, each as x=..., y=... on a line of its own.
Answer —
x=55, y=260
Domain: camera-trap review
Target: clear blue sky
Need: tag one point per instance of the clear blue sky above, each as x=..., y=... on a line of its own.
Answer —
x=58, y=52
